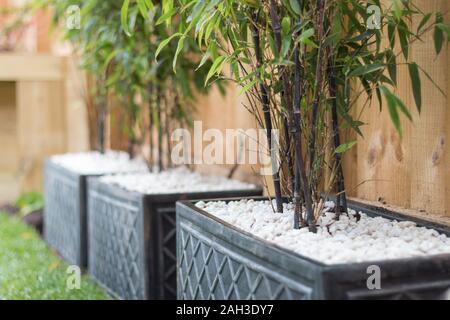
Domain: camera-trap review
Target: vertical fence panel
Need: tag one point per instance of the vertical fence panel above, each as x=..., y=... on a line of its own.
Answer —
x=411, y=171
x=428, y=167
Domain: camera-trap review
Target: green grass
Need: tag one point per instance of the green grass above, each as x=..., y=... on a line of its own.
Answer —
x=29, y=270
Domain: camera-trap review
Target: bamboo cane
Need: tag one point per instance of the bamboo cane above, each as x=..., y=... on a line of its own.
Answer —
x=267, y=115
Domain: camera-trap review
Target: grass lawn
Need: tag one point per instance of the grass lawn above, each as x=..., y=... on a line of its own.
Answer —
x=29, y=270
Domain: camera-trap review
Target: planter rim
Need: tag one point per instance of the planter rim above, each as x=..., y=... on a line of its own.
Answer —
x=49, y=161
x=367, y=209
x=161, y=197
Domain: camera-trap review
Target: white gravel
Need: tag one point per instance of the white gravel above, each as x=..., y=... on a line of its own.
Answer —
x=94, y=162
x=345, y=240
x=175, y=180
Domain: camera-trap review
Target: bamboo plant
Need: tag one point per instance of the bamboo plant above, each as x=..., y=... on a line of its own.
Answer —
x=117, y=43
x=170, y=95
x=304, y=65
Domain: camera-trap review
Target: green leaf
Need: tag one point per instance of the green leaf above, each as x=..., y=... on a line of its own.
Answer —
x=149, y=4
x=403, y=107
x=305, y=38
x=395, y=102
x=165, y=42
x=306, y=34
x=286, y=25
x=124, y=17
x=438, y=34
x=403, y=37
x=215, y=66
x=247, y=87
x=166, y=16
x=392, y=107
x=285, y=45
x=107, y=61
x=143, y=8
x=205, y=58
x=345, y=147
x=397, y=8
x=392, y=65
x=416, y=85
x=366, y=69
x=424, y=21
x=391, y=34
x=295, y=6
x=180, y=47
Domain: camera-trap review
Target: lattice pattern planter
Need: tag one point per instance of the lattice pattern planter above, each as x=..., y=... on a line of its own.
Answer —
x=65, y=221
x=65, y=212
x=132, y=239
x=215, y=260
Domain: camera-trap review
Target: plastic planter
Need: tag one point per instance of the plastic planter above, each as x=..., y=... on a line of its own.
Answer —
x=65, y=221
x=215, y=260
x=132, y=239
x=65, y=212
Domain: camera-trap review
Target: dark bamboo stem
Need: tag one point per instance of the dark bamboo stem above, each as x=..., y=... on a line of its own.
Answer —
x=150, y=125
x=101, y=120
x=285, y=95
x=132, y=121
x=167, y=131
x=267, y=116
x=101, y=109
x=158, y=114
x=340, y=188
x=300, y=173
x=318, y=84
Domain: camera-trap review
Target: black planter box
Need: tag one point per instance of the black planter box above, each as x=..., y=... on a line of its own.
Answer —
x=65, y=212
x=132, y=239
x=215, y=260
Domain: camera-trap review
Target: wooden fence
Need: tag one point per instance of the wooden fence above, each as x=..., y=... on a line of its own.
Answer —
x=412, y=171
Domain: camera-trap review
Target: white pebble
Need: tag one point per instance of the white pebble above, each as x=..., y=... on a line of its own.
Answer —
x=176, y=180
x=344, y=241
x=97, y=163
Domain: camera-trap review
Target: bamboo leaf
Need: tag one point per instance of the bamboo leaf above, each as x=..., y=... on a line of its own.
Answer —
x=403, y=107
x=124, y=17
x=403, y=37
x=424, y=21
x=345, y=147
x=295, y=6
x=366, y=69
x=438, y=34
x=285, y=45
x=166, y=16
x=215, y=66
x=143, y=8
x=395, y=102
x=416, y=84
x=286, y=25
x=247, y=87
x=205, y=58
x=391, y=34
x=392, y=65
x=397, y=8
x=165, y=42
x=392, y=108
x=180, y=47
x=108, y=60
x=149, y=4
